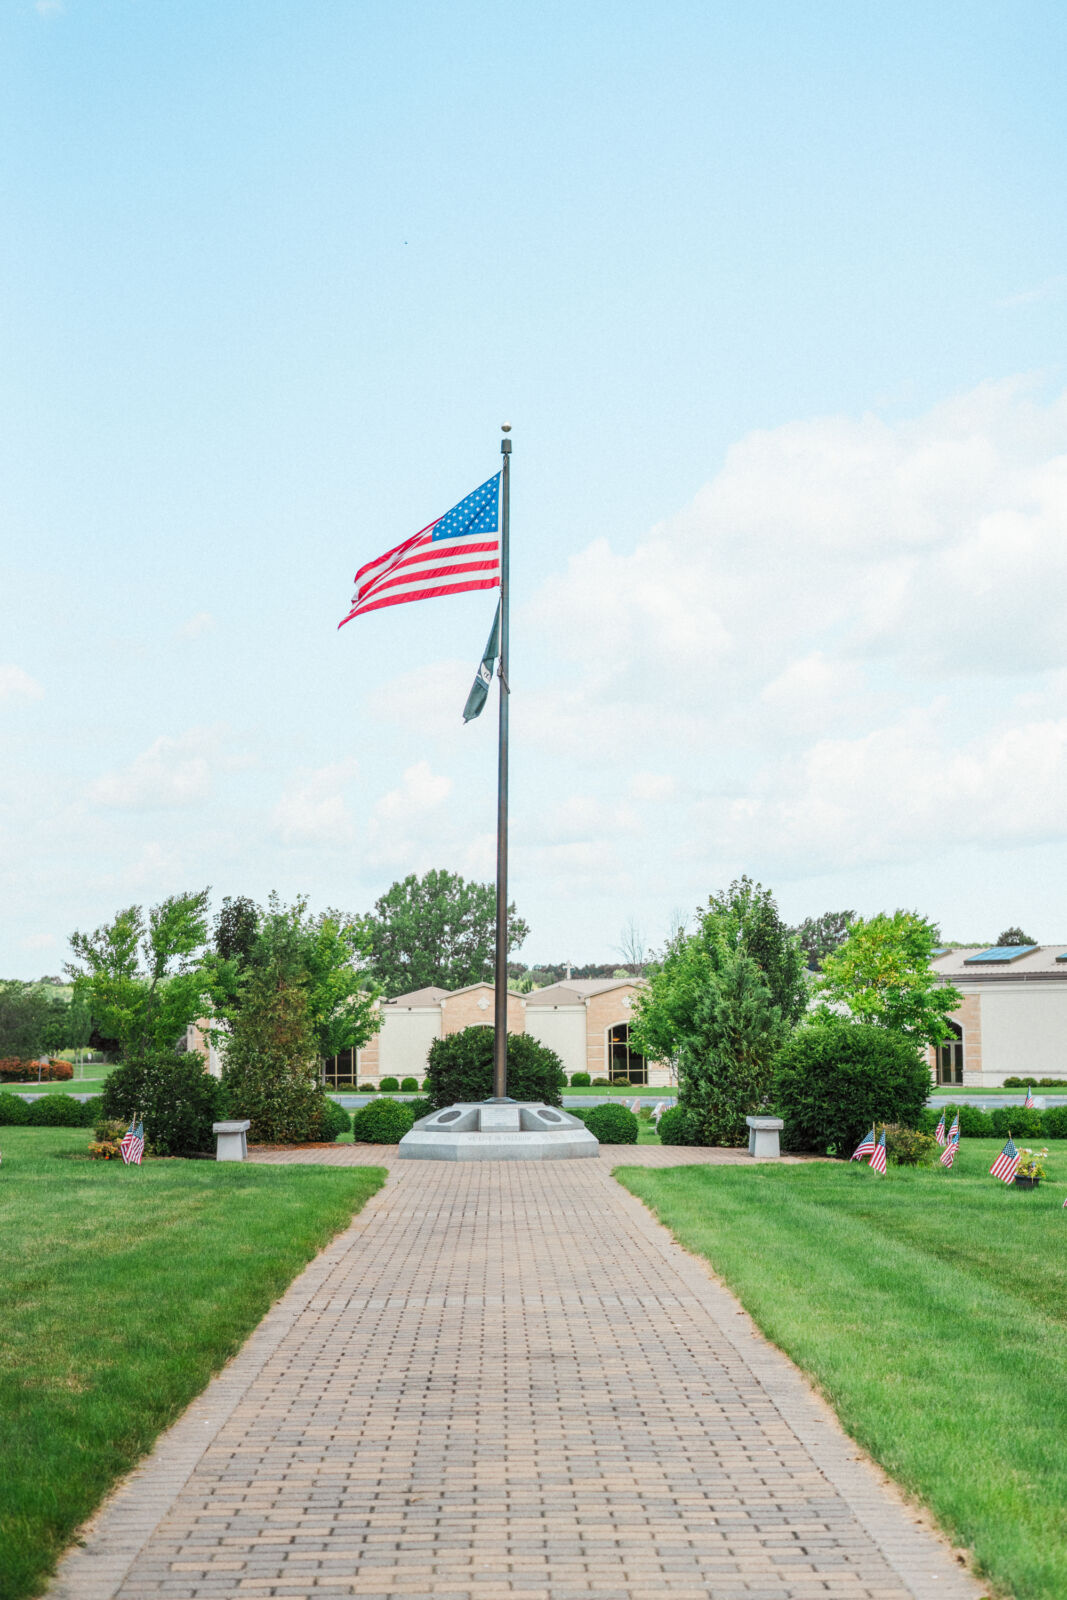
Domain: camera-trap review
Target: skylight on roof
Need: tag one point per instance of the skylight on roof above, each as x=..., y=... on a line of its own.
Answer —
x=1002, y=952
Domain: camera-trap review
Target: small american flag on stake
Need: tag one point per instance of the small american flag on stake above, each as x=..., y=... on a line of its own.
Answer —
x=954, y=1131
x=948, y=1155
x=865, y=1146
x=1005, y=1164
x=1030, y=1098
x=939, y=1132
x=877, y=1161
x=132, y=1144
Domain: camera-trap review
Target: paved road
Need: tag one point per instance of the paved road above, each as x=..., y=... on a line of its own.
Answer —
x=505, y=1380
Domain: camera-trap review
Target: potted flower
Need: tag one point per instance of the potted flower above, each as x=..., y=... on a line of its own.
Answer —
x=1031, y=1168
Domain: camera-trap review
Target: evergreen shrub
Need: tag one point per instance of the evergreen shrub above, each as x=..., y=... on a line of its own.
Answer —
x=1054, y=1123
x=172, y=1095
x=460, y=1068
x=834, y=1078
x=675, y=1127
x=425, y=1085
x=612, y=1124
x=409, y=1086
x=335, y=1121
x=56, y=1111
x=368, y=1088
x=907, y=1147
x=388, y=1085
x=580, y=1080
x=974, y=1123
x=1022, y=1122
x=1050, y=1083
x=14, y=1113
x=382, y=1122
x=601, y=1083
x=420, y=1106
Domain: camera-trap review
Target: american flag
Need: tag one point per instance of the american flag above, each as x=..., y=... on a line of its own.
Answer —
x=877, y=1161
x=1030, y=1098
x=948, y=1155
x=954, y=1131
x=939, y=1131
x=865, y=1146
x=452, y=554
x=1005, y=1164
x=132, y=1144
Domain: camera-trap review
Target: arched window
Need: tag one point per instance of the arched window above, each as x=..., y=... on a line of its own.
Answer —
x=625, y=1064
x=950, y=1056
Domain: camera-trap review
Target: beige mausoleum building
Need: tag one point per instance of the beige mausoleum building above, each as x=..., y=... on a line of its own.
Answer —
x=1013, y=1019
x=585, y=1021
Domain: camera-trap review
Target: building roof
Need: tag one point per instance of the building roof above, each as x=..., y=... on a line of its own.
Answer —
x=573, y=991
x=430, y=996
x=991, y=964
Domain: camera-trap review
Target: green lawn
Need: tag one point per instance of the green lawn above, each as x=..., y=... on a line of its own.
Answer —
x=124, y=1289
x=931, y=1309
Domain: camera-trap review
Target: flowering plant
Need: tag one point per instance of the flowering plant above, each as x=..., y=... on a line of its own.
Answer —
x=1031, y=1163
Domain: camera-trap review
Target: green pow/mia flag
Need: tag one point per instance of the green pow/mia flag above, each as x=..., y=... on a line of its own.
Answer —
x=480, y=687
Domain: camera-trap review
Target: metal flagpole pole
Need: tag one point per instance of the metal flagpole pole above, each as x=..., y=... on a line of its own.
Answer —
x=500, y=975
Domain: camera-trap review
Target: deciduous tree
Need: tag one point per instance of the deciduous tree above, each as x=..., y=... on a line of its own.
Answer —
x=882, y=974
x=436, y=930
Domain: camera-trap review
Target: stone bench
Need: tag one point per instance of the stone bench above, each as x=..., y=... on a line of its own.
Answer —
x=231, y=1140
x=763, y=1136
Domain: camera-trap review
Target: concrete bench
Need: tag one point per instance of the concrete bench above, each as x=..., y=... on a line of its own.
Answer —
x=763, y=1136
x=231, y=1140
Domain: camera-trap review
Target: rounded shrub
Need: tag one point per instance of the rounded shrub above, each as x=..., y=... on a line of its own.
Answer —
x=409, y=1086
x=601, y=1083
x=1050, y=1083
x=14, y=1112
x=388, y=1085
x=425, y=1085
x=368, y=1088
x=172, y=1095
x=1054, y=1123
x=834, y=1078
x=1013, y=1083
x=580, y=1080
x=382, y=1122
x=460, y=1068
x=335, y=1121
x=675, y=1127
x=906, y=1147
x=56, y=1111
x=1022, y=1122
x=974, y=1123
x=612, y=1124
x=420, y=1106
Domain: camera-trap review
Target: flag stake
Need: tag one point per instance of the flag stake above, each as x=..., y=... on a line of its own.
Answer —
x=500, y=975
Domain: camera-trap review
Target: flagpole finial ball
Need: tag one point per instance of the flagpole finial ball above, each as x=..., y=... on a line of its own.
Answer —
x=505, y=427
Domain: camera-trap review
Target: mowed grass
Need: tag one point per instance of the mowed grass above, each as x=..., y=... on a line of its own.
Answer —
x=931, y=1308
x=124, y=1289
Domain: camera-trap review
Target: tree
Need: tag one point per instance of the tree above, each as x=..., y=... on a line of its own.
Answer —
x=26, y=1012
x=727, y=1057
x=882, y=974
x=145, y=978
x=1014, y=936
x=269, y=1068
x=324, y=956
x=436, y=930
x=821, y=936
x=744, y=919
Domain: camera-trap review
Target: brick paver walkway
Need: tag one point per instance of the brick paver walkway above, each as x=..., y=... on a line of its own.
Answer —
x=507, y=1381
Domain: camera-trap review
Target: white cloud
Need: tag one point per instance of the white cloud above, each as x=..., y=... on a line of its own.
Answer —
x=195, y=626
x=407, y=826
x=39, y=941
x=15, y=685
x=172, y=772
x=315, y=810
x=654, y=787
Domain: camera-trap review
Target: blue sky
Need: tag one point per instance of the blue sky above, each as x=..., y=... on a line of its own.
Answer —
x=774, y=298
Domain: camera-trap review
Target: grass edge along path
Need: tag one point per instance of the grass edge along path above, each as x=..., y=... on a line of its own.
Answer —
x=928, y=1308
x=125, y=1291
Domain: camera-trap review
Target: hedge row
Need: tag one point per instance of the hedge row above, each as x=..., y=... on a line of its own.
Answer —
x=1022, y=1122
x=48, y=1111
x=13, y=1069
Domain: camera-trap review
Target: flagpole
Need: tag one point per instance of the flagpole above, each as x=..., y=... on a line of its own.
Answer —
x=500, y=975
